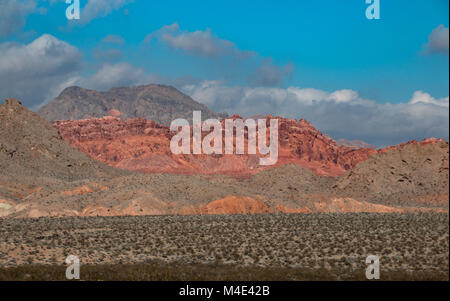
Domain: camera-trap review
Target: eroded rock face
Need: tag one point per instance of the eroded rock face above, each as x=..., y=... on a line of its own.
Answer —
x=143, y=145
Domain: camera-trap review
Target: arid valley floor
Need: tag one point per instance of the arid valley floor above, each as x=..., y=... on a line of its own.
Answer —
x=318, y=246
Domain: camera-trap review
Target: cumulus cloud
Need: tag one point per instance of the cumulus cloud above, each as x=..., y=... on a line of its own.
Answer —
x=199, y=43
x=111, y=75
x=438, y=40
x=425, y=98
x=30, y=71
x=45, y=56
x=37, y=72
x=341, y=114
x=13, y=15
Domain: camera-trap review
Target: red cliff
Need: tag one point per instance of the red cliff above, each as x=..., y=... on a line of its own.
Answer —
x=143, y=145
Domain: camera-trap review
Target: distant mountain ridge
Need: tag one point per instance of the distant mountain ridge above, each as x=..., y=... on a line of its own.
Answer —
x=355, y=144
x=159, y=103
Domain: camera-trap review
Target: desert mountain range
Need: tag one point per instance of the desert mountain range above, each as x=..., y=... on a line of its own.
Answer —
x=111, y=166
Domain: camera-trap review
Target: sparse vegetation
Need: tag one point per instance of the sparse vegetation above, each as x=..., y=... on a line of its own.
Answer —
x=228, y=247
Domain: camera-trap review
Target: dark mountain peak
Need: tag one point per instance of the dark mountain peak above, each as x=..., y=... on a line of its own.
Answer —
x=160, y=103
x=75, y=94
x=72, y=89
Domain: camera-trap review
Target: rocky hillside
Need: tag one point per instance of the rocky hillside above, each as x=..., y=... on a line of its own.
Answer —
x=413, y=172
x=159, y=103
x=32, y=147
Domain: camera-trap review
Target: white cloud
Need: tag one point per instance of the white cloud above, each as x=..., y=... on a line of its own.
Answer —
x=344, y=96
x=13, y=15
x=45, y=56
x=425, y=98
x=30, y=71
x=200, y=43
x=342, y=113
x=124, y=74
x=114, y=75
x=438, y=40
x=100, y=8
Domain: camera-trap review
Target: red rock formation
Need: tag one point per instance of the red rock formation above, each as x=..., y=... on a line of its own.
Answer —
x=143, y=145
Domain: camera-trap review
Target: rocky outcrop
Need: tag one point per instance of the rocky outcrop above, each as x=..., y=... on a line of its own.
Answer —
x=144, y=145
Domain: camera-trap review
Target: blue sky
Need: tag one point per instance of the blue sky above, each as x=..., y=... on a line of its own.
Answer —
x=218, y=51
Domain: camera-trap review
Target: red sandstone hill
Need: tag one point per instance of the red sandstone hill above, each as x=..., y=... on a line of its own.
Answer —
x=143, y=145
